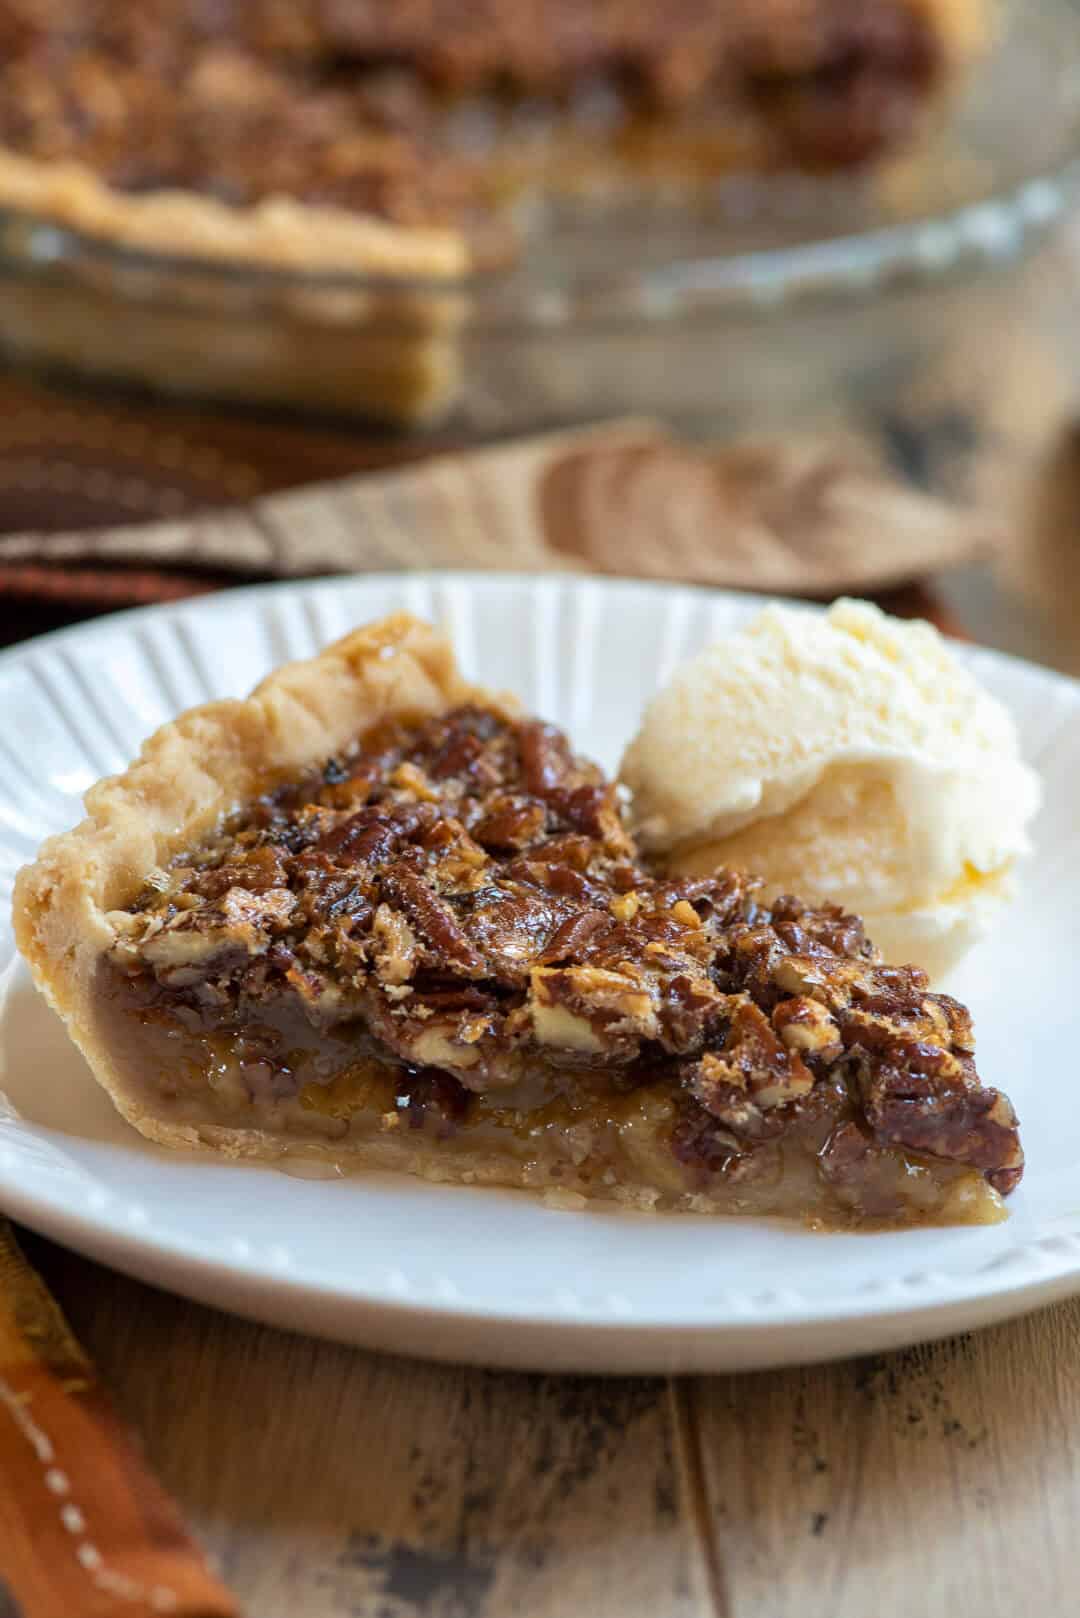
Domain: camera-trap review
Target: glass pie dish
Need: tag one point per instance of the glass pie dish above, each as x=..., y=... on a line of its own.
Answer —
x=756, y=303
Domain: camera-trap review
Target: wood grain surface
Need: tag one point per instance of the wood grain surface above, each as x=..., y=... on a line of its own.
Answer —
x=330, y=1483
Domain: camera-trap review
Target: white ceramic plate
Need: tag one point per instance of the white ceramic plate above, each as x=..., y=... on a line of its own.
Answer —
x=481, y=1274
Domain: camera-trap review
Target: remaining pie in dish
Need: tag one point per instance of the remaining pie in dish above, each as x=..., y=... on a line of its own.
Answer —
x=390, y=136
x=374, y=915
x=292, y=201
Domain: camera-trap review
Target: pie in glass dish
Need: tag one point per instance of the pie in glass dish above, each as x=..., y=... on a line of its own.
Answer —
x=389, y=136
x=374, y=914
x=294, y=200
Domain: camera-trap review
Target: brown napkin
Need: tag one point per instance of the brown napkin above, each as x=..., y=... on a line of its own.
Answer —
x=800, y=517
x=788, y=516
x=85, y=1530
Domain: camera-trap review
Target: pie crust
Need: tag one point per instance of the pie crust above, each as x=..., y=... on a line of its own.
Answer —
x=279, y=233
x=659, y=1045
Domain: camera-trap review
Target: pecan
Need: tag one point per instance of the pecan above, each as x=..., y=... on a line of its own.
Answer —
x=806, y=1026
x=574, y=936
x=512, y=822
x=512, y=927
x=753, y=1064
x=587, y=808
x=460, y=747
x=867, y=1177
x=938, y=1113
x=826, y=927
x=545, y=758
x=588, y=1008
x=371, y=834
x=432, y=919
x=258, y=870
x=395, y=947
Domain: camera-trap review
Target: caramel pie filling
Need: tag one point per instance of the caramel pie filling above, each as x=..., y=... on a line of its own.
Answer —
x=446, y=938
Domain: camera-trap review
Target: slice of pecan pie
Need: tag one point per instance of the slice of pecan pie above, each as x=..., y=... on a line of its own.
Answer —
x=372, y=914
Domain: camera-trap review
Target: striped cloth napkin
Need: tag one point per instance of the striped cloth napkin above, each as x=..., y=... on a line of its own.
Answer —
x=85, y=1530
x=813, y=517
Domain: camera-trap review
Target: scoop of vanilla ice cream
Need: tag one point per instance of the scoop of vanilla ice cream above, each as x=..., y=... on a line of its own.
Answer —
x=844, y=756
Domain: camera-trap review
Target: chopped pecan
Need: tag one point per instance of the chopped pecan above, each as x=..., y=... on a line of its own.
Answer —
x=589, y=1008
x=807, y=1027
x=689, y=1005
x=461, y=864
x=242, y=923
x=752, y=1068
x=427, y=1095
x=394, y=946
x=625, y=905
x=442, y=1045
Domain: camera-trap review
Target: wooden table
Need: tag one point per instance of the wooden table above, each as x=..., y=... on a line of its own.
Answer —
x=331, y=1483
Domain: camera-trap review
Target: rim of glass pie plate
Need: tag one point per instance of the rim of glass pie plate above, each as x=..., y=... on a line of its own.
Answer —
x=978, y=236
x=728, y=1331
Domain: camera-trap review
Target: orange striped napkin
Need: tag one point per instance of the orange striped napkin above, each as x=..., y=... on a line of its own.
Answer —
x=85, y=1530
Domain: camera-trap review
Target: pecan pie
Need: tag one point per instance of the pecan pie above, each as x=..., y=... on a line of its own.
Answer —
x=374, y=914
x=389, y=136
x=358, y=162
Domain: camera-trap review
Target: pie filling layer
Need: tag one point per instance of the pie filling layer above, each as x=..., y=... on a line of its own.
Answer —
x=442, y=951
x=421, y=114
